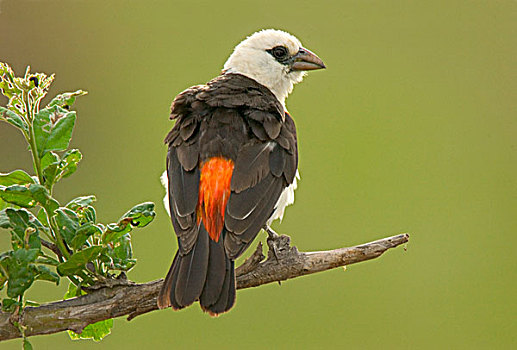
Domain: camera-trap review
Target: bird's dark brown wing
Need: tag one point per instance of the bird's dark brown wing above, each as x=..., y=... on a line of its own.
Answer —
x=264, y=167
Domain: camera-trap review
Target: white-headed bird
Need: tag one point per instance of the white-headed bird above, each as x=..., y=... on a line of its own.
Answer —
x=231, y=166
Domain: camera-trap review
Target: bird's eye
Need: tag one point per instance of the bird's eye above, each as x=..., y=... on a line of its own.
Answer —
x=279, y=52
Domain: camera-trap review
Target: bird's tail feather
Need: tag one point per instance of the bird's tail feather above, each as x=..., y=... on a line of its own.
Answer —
x=205, y=274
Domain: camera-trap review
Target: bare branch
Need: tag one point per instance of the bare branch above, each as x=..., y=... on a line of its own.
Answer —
x=121, y=297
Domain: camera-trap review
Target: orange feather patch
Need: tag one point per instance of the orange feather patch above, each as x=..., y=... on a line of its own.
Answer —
x=214, y=191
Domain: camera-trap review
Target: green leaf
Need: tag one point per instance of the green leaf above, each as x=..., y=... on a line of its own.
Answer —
x=114, y=232
x=25, y=228
x=19, y=270
x=13, y=119
x=53, y=129
x=49, y=158
x=121, y=254
x=26, y=255
x=43, y=197
x=83, y=233
x=45, y=274
x=18, y=195
x=50, y=174
x=9, y=305
x=78, y=202
x=4, y=220
x=66, y=99
x=81, y=205
x=68, y=164
x=3, y=279
x=4, y=257
x=50, y=165
x=26, y=344
x=42, y=217
x=17, y=177
x=42, y=126
x=28, y=196
x=7, y=86
x=139, y=216
x=67, y=222
x=47, y=260
x=73, y=292
x=87, y=214
x=54, y=168
x=61, y=133
x=96, y=331
x=77, y=261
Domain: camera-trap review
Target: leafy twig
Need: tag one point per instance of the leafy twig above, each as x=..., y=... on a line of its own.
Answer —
x=85, y=251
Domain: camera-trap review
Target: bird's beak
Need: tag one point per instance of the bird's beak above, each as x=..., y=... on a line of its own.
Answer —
x=307, y=60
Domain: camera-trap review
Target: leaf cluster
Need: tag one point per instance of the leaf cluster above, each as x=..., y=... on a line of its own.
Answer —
x=49, y=240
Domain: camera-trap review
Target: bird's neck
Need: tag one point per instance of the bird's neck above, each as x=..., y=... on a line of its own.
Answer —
x=281, y=88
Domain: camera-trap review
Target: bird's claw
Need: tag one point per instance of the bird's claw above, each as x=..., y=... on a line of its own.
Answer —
x=273, y=242
x=272, y=234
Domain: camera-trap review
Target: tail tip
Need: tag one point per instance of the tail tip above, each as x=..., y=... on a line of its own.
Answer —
x=163, y=302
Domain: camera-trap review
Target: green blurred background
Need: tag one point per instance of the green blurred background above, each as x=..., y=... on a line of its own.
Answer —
x=412, y=128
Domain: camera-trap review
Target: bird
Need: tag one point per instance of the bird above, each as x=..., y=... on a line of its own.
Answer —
x=232, y=166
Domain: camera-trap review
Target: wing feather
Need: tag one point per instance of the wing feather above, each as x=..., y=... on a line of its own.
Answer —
x=240, y=205
x=251, y=166
x=183, y=185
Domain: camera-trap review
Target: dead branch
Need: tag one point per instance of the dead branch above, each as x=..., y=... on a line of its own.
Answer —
x=115, y=298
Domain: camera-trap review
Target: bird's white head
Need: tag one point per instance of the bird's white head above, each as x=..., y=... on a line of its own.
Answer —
x=273, y=58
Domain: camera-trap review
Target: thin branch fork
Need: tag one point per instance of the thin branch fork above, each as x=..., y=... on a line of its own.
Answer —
x=119, y=297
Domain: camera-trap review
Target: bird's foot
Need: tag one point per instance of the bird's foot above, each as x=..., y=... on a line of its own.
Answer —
x=272, y=241
x=272, y=234
x=279, y=245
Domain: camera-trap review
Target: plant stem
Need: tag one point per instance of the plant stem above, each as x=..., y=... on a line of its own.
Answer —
x=31, y=138
x=59, y=239
x=35, y=157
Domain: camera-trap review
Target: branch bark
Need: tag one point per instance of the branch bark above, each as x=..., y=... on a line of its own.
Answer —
x=116, y=298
